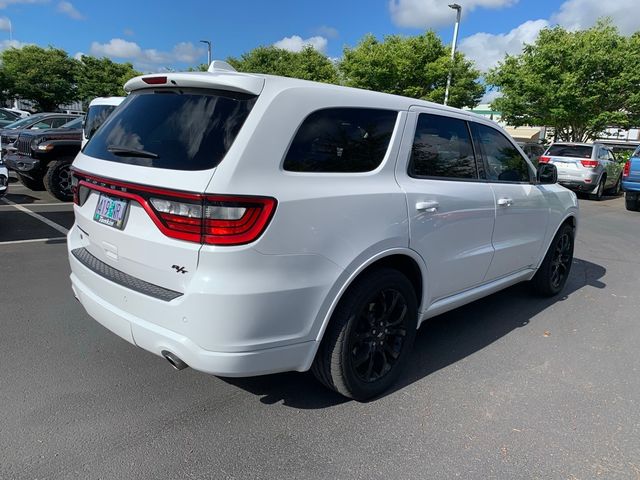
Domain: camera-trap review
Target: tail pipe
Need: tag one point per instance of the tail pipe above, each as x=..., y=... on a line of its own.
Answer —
x=174, y=360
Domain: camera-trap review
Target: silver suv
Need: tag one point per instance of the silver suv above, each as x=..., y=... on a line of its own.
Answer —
x=585, y=167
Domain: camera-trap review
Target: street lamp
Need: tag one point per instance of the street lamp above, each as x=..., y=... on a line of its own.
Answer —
x=458, y=9
x=208, y=51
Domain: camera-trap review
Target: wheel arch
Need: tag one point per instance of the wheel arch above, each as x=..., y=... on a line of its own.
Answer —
x=405, y=260
x=570, y=219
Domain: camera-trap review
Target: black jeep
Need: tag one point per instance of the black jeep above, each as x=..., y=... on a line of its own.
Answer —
x=42, y=158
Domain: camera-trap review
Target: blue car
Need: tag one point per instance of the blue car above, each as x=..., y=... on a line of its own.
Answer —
x=631, y=182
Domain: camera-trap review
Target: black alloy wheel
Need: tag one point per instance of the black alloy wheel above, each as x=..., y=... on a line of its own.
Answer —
x=561, y=261
x=380, y=331
x=57, y=180
x=370, y=335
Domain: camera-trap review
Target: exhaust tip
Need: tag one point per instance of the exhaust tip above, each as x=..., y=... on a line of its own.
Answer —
x=174, y=360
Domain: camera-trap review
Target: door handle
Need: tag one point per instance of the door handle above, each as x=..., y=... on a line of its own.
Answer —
x=430, y=207
x=505, y=202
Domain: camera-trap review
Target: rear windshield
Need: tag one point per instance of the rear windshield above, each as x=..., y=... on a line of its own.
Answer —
x=177, y=129
x=96, y=116
x=575, y=151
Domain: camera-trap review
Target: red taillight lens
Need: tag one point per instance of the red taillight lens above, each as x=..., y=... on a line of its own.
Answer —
x=589, y=163
x=236, y=220
x=154, y=80
x=544, y=159
x=627, y=169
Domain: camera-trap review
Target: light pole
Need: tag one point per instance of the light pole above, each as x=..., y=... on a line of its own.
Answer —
x=458, y=9
x=208, y=51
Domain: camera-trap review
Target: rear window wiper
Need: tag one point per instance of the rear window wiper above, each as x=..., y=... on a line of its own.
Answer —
x=131, y=152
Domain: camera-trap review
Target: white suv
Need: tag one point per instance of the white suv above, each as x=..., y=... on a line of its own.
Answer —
x=249, y=224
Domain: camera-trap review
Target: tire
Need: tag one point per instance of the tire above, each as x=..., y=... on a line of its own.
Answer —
x=616, y=189
x=599, y=191
x=30, y=183
x=357, y=358
x=554, y=271
x=57, y=180
x=632, y=201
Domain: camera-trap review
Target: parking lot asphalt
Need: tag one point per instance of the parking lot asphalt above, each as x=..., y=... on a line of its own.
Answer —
x=511, y=386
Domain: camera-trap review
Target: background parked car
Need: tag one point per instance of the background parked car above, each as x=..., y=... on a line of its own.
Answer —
x=7, y=117
x=586, y=167
x=42, y=158
x=631, y=181
x=21, y=113
x=4, y=179
x=38, y=121
x=533, y=150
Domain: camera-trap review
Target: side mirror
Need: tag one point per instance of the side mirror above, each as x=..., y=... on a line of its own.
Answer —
x=547, y=173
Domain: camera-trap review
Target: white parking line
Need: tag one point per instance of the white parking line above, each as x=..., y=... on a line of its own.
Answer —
x=44, y=220
x=47, y=204
x=32, y=240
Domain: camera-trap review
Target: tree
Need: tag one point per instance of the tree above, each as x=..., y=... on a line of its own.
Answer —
x=308, y=64
x=411, y=66
x=44, y=75
x=577, y=82
x=102, y=77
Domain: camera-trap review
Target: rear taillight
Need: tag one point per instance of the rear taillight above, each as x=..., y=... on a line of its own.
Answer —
x=589, y=163
x=544, y=159
x=627, y=169
x=207, y=219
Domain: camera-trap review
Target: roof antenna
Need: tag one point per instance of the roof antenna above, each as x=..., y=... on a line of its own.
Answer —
x=220, y=66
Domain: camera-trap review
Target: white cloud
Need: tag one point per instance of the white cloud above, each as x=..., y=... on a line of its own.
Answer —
x=487, y=49
x=295, y=43
x=490, y=95
x=5, y=24
x=435, y=13
x=6, y=3
x=6, y=44
x=327, y=31
x=581, y=14
x=148, y=59
x=79, y=55
x=68, y=9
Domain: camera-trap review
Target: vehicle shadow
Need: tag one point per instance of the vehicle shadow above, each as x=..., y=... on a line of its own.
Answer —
x=441, y=341
x=20, y=198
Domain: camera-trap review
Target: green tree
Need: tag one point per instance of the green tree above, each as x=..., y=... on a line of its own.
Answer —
x=101, y=77
x=415, y=66
x=308, y=64
x=44, y=75
x=577, y=82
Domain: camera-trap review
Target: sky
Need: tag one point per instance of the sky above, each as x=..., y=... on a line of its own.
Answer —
x=165, y=34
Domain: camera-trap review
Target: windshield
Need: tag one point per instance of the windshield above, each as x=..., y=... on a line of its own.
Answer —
x=76, y=123
x=96, y=116
x=179, y=129
x=574, y=151
x=24, y=121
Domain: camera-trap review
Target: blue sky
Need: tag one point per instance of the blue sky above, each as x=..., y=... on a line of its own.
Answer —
x=164, y=34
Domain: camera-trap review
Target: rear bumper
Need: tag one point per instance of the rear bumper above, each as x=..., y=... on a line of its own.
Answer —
x=586, y=185
x=628, y=186
x=265, y=323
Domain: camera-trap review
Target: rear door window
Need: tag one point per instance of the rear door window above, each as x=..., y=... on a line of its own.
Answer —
x=341, y=140
x=442, y=149
x=177, y=129
x=573, y=151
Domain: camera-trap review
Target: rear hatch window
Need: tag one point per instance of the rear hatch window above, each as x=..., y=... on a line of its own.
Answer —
x=574, y=151
x=177, y=129
x=96, y=116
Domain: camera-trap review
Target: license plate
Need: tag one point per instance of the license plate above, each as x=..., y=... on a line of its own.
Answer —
x=111, y=211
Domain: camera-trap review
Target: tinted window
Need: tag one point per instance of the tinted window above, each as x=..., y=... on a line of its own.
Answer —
x=574, y=151
x=58, y=122
x=24, y=122
x=76, y=123
x=503, y=161
x=442, y=148
x=179, y=129
x=96, y=116
x=341, y=140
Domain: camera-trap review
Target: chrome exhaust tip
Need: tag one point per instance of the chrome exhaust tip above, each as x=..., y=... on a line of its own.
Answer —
x=174, y=360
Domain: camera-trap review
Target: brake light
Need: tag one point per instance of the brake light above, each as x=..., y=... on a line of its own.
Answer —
x=154, y=80
x=544, y=159
x=193, y=217
x=627, y=169
x=589, y=163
